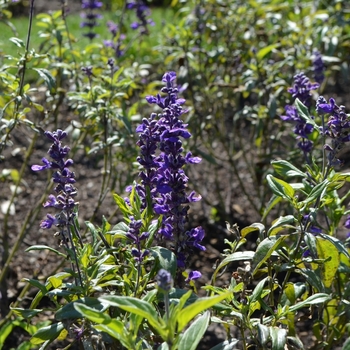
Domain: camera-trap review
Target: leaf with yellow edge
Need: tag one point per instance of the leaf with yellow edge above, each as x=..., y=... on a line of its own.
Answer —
x=328, y=251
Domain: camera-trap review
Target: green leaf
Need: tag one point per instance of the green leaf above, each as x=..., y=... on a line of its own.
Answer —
x=317, y=192
x=69, y=311
x=194, y=333
x=251, y=228
x=47, y=77
x=337, y=243
x=263, y=334
x=124, y=208
x=137, y=319
x=256, y=295
x=191, y=311
x=135, y=306
x=280, y=188
x=265, y=50
x=17, y=42
x=346, y=345
x=5, y=331
x=317, y=298
x=36, y=284
x=265, y=249
x=163, y=346
x=278, y=338
x=236, y=256
x=314, y=279
x=304, y=113
x=167, y=259
x=285, y=168
x=272, y=202
x=45, y=247
x=310, y=241
x=47, y=333
x=92, y=314
x=116, y=330
x=226, y=345
x=26, y=313
x=280, y=224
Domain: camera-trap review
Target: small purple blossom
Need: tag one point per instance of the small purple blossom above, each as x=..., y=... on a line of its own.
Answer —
x=87, y=71
x=193, y=275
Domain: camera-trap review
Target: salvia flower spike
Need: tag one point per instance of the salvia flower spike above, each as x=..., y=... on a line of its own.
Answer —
x=162, y=158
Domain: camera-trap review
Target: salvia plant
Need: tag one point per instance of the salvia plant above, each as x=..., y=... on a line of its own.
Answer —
x=169, y=206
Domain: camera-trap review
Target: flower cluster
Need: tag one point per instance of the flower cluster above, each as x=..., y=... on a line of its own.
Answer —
x=90, y=16
x=117, y=39
x=164, y=280
x=134, y=235
x=301, y=90
x=142, y=12
x=64, y=178
x=163, y=177
x=337, y=127
x=319, y=67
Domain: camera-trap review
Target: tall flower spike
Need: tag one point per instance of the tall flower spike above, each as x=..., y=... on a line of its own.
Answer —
x=90, y=16
x=64, y=178
x=162, y=158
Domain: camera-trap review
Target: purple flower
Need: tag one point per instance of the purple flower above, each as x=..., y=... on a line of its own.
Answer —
x=337, y=127
x=134, y=235
x=116, y=42
x=142, y=11
x=195, y=237
x=47, y=165
x=49, y=222
x=193, y=275
x=319, y=67
x=302, y=89
x=164, y=280
x=322, y=107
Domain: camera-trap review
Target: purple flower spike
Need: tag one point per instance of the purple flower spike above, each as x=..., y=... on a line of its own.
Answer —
x=302, y=90
x=90, y=16
x=162, y=158
x=64, y=178
x=337, y=127
x=319, y=67
x=142, y=12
